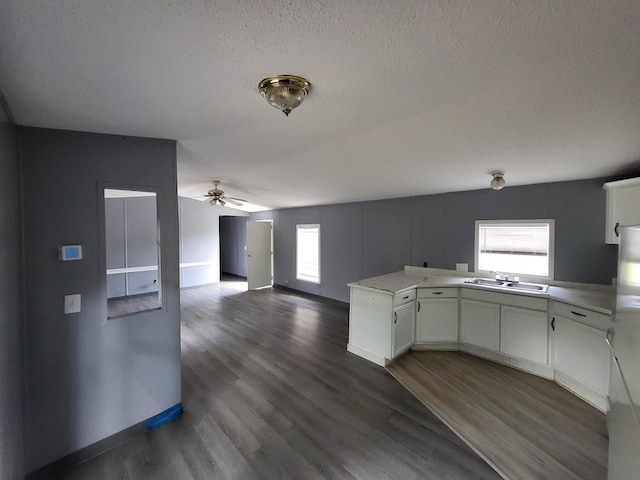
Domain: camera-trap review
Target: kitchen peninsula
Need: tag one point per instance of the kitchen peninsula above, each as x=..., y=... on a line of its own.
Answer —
x=558, y=335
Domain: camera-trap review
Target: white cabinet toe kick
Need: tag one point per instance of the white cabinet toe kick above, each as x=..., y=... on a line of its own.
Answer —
x=547, y=338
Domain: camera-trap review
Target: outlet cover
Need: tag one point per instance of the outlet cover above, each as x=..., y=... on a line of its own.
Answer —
x=462, y=267
x=72, y=303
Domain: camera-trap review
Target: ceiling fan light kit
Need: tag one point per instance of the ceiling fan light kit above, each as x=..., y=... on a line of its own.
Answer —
x=217, y=197
x=497, y=182
x=284, y=92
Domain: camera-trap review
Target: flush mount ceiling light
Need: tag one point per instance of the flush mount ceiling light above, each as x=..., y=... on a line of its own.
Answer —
x=497, y=182
x=284, y=92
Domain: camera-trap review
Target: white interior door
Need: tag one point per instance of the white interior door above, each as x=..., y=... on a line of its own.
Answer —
x=259, y=250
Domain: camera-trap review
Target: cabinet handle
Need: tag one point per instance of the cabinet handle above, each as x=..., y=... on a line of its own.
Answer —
x=395, y=317
x=418, y=305
x=553, y=324
x=437, y=293
x=404, y=298
x=616, y=229
x=578, y=314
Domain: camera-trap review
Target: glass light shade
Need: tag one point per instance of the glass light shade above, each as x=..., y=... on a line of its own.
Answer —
x=285, y=97
x=497, y=182
x=284, y=92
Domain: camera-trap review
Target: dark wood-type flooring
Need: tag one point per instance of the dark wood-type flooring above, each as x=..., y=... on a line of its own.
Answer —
x=528, y=427
x=270, y=392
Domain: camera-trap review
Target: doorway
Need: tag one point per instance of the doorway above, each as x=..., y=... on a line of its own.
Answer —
x=233, y=258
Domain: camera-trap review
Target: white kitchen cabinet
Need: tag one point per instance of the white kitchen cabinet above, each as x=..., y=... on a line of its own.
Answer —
x=524, y=334
x=480, y=324
x=580, y=354
x=381, y=324
x=437, y=316
x=623, y=198
x=403, y=328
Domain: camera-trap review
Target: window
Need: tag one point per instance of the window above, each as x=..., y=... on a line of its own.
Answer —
x=515, y=246
x=308, y=253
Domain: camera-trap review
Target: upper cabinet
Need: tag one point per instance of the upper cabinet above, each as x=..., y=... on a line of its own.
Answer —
x=623, y=206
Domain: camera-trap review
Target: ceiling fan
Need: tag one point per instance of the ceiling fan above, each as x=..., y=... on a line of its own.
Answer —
x=217, y=196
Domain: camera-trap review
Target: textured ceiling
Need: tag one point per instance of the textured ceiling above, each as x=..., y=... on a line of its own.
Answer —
x=409, y=97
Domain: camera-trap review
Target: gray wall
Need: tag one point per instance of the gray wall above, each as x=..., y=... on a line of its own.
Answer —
x=361, y=240
x=233, y=239
x=11, y=327
x=89, y=378
x=200, y=241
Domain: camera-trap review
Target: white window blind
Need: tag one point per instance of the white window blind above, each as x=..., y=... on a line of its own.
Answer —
x=308, y=253
x=515, y=247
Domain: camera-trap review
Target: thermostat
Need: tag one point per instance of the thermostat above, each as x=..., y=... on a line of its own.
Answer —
x=70, y=252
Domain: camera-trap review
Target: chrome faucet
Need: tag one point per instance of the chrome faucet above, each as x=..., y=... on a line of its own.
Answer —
x=500, y=276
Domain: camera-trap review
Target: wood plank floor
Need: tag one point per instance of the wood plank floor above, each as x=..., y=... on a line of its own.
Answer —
x=527, y=427
x=270, y=392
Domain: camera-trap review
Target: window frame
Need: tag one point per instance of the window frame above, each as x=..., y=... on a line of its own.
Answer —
x=551, y=257
x=305, y=278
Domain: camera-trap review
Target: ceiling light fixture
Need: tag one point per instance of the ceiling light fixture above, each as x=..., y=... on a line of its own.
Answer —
x=497, y=182
x=284, y=92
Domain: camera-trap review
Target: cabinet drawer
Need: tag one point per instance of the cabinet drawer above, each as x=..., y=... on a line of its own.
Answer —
x=427, y=293
x=404, y=297
x=581, y=315
x=514, y=299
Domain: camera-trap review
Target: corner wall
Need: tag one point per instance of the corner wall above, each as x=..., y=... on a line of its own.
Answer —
x=200, y=256
x=11, y=321
x=361, y=240
x=88, y=378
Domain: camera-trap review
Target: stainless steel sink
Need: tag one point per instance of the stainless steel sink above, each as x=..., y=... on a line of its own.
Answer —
x=509, y=285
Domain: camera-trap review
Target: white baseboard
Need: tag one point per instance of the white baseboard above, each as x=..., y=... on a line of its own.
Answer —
x=435, y=346
x=367, y=355
x=543, y=371
x=601, y=402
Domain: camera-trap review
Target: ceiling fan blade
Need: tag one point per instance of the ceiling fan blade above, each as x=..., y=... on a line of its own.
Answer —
x=232, y=202
x=237, y=199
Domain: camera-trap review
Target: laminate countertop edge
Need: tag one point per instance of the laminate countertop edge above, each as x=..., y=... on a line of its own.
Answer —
x=597, y=300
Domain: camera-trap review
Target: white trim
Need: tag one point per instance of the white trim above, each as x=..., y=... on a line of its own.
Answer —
x=552, y=236
x=119, y=193
x=196, y=264
x=367, y=355
x=117, y=271
x=629, y=182
x=582, y=391
x=543, y=371
x=444, y=346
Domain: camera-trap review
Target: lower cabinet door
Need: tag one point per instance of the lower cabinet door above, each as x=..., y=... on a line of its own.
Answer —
x=581, y=353
x=524, y=334
x=480, y=324
x=403, y=327
x=437, y=320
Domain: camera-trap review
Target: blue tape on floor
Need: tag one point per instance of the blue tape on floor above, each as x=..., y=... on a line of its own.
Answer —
x=164, y=417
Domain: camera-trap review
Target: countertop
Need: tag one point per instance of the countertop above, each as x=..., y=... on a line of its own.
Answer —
x=600, y=299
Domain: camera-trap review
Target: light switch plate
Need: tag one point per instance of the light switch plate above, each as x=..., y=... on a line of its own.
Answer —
x=462, y=267
x=72, y=303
